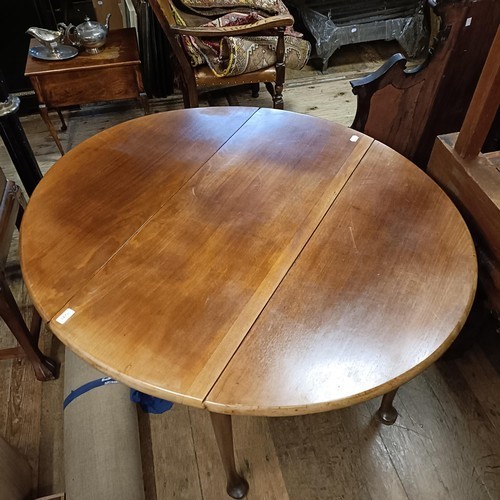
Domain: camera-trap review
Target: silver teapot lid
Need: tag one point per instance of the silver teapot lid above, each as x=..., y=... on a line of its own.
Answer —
x=89, y=27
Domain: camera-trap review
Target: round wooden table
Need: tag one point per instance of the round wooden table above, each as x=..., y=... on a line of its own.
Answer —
x=248, y=261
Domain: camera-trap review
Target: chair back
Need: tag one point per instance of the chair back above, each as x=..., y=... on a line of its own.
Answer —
x=407, y=109
x=246, y=65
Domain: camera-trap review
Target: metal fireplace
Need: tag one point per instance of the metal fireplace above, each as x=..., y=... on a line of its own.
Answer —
x=334, y=23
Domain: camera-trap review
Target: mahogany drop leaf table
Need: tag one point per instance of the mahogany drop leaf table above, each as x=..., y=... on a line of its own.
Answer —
x=248, y=261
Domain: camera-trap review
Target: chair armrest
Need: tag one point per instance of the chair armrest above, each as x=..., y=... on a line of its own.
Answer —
x=209, y=31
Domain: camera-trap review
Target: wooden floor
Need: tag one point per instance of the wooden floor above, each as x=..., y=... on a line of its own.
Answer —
x=445, y=444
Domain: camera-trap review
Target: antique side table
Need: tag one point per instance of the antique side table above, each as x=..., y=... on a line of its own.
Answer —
x=248, y=261
x=113, y=74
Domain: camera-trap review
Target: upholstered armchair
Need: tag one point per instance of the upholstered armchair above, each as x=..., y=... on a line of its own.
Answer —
x=225, y=43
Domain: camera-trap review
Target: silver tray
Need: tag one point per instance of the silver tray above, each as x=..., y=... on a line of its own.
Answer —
x=60, y=53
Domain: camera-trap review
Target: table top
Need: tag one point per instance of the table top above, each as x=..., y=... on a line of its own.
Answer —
x=247, y=260
x=120, y=50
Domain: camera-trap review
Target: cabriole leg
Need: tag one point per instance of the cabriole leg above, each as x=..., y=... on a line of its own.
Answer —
x=387, y=414
x=237, y=487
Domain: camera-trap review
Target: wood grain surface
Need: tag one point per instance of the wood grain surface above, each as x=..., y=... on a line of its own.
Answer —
x=86, y=86
x=376, y=296
x=168, y=271
x=90, y=219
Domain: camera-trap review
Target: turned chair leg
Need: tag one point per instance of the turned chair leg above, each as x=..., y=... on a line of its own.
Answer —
x=270, y=88
x=278, y=97
x=280, y=70
x=45, y=368
x=387, y=414
x=237, y=487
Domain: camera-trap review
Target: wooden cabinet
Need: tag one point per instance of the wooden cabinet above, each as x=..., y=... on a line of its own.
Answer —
x=113, y=74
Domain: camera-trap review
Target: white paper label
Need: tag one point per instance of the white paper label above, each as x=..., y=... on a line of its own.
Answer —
x=468, y=21
x=62, y=318
x=354, y=138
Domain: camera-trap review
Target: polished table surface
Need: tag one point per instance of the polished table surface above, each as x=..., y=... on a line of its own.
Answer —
x=249, y=261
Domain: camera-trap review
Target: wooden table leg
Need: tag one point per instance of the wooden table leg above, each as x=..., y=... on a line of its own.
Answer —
x=145, y=102
x=45, y=115
x=63, y=123
x=237, y=487
x=387, y=414
x=142, y=94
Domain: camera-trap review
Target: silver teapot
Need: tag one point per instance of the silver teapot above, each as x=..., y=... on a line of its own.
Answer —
x=90, y=35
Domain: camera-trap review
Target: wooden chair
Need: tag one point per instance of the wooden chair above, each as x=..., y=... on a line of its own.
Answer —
x=194, y=80
x=11, y=211
x=472, y=178
x=407, y=109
